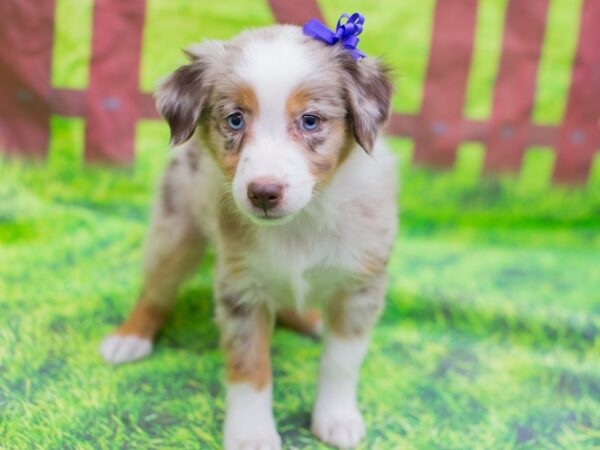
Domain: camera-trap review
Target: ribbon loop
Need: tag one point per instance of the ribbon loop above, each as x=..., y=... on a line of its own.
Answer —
x=346, y=32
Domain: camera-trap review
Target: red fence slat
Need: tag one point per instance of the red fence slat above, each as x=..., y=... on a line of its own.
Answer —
x=113, y=97
x=68, y=102
x=26, y=40
x=113, y=103
x=514, y=92
x=579, y=133
x=296, y=12
x=449, y=61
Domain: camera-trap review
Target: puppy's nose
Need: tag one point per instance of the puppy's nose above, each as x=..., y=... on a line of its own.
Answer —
x=265, y=195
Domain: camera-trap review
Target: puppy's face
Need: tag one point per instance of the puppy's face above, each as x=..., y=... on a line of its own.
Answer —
x=278, y=111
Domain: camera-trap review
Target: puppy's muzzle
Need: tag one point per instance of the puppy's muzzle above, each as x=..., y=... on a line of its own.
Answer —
x=265, y=194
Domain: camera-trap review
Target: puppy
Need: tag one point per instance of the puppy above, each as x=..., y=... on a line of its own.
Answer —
x=277, y=163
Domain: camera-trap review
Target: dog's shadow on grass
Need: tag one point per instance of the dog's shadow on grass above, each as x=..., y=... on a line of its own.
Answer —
x=190, y=325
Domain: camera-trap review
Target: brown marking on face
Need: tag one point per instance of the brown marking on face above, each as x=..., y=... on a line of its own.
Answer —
x=247, y=348
x=228, y=162
x=320, y=168
x=346, y=147
x=307, y=323
x=328, y=146
x=332, y=154
x=297, y=102
x=224, y=144
x=315, y=141
x=224, y=147
x=246, y=99
x=230, y=143
x=144, y=321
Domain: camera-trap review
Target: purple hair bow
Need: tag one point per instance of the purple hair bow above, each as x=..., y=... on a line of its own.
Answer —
x=346, y=33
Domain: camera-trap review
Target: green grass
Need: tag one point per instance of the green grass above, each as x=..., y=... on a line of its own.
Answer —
x=490, y=338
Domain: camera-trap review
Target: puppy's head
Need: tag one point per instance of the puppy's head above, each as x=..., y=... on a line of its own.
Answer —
x=278, y=111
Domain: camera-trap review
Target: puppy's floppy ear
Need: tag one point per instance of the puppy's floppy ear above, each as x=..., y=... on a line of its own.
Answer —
x=369, y=92
x=183, y=95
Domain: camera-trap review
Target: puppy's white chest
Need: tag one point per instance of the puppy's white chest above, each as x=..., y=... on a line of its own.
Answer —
x=299, y=269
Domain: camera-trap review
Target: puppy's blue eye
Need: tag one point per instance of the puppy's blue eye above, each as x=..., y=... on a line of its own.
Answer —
x=308, y=122
x=235, y=121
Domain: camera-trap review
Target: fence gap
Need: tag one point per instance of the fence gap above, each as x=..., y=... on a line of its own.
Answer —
x=469, y=162
x=536, y=169
x=486, y=59
x=66, y=143
x=556, y=61
x=72, y=44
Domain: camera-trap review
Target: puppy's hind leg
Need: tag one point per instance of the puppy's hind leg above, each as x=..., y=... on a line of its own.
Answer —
x=173, y=249
x=171, y=255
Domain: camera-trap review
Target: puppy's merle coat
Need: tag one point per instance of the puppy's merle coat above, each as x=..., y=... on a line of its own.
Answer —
x=277, y=163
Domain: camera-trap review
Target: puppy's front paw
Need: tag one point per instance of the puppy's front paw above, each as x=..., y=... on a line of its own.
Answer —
x=117, y=349
x=251, y=436
x=339, y=428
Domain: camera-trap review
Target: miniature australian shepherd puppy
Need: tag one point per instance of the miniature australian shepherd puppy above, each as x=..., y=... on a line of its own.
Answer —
x=277, y=162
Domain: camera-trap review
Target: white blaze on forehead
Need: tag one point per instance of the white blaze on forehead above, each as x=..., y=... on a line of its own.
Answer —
x=274, y=67
x=274, y=64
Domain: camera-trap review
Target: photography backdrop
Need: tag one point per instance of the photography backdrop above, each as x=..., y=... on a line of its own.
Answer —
x=115, y=56
x=490, y=338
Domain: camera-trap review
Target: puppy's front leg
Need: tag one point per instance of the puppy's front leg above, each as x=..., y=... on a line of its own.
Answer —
x=336, y=419
x=246, y=326
x=173, y=249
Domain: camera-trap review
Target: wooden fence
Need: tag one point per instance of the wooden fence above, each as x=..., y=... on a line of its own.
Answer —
x=113, y=102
